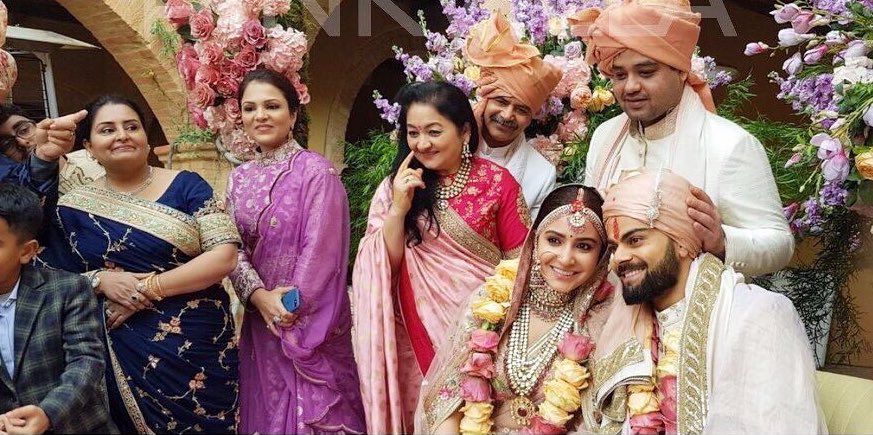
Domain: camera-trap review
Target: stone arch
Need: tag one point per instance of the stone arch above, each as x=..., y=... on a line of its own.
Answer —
x=338, y=68
x=123, y=28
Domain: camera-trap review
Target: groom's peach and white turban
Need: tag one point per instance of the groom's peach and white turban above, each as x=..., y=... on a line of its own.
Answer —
x=664, y=30
x=655, y=198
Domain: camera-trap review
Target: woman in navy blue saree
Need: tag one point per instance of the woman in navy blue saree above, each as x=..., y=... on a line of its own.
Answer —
x=156, y=245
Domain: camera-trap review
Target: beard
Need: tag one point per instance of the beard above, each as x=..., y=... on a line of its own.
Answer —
x=657, y=280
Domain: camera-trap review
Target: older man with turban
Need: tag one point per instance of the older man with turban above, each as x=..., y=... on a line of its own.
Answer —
x=514, y=84
x=645, y=48
x=688, y=346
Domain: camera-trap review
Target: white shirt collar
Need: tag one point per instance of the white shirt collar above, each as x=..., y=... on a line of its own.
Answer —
x=502, y=151
x=11, y=296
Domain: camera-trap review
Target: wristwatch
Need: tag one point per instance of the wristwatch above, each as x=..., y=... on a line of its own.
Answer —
x=95, y=280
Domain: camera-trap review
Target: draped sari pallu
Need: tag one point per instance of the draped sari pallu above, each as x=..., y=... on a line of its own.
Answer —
x=293, y=218
x=398, y=320
x=172, y=368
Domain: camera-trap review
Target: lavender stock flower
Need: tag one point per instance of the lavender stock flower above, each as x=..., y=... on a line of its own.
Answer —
x=834, y=195
x=532, y=14
x=388, y=111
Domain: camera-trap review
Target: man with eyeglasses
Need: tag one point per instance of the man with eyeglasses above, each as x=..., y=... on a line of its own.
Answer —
x=30, y=151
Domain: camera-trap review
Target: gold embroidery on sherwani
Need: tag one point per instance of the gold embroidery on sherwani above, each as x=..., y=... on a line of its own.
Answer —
x=627, y=353
x=166, y=223
x=691, y=392
x=459, y=231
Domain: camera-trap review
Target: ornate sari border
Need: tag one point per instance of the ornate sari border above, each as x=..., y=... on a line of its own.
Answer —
x=166, y=223
x=454, y=225
x=127, y=396
x=691, y=393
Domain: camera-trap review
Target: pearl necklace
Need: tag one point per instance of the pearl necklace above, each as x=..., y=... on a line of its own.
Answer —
x=444, y=193
x=524, y=372
x=142, y=186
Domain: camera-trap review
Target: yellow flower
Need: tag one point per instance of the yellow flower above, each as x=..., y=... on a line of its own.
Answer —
x=864, y=163
x=457, y=63
x=641, y=399
x=553, y=414
x=507, y=269
x=562, y=395
x=477, y=418
x=478, y=412
x=668, y=364
x=557, y=26
x=572, y=373
x=472, y=72
x=488, y=310
x=498, y=288
x=601, y=99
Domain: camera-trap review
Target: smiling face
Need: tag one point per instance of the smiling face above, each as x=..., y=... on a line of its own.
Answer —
x=646, y=89
x=568, y=259
x=504, y=119
x=117, y=137
x=266, y=115
x=435, y=139
x=645, y=260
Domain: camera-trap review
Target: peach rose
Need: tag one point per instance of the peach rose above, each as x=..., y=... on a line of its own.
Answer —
x=562, y=395
x=641, y=399
x=864, y=163
x=571, y=372
x=488, y=310
x=483, y=341
x=601, y=99
x=553, y=414
x=498, y=288
x=507, y=269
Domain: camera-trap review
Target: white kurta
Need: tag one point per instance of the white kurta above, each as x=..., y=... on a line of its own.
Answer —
x=754, y=373
x=716, y=155
x=531, y=170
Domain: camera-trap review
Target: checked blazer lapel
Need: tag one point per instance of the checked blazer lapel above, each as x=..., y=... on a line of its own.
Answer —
x=29, y=302
x=4, y=376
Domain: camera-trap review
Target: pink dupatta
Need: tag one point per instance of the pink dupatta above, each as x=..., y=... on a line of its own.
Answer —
x=420, y=305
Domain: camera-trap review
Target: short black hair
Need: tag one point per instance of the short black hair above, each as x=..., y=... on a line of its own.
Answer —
x=21, y=210
x=9, y=110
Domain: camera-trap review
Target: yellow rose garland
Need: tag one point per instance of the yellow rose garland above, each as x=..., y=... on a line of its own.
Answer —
x=562, y=390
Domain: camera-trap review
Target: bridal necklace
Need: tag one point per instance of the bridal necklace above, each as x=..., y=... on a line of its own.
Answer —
x=142, y=186
x=524, y=370
x=444, y=193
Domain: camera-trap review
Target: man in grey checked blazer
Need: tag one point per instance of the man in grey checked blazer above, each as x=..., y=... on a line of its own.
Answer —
x=52, y=365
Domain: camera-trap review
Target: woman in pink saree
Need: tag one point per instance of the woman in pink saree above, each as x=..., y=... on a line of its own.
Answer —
x=438, y=225
x=297, y=370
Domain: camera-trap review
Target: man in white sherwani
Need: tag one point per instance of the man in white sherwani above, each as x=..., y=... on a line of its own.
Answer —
x=514, y=84
x=688, y=346
x=669, y=121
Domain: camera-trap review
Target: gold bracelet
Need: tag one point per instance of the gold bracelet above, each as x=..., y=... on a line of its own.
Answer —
x=159, y=288
x=147, y=288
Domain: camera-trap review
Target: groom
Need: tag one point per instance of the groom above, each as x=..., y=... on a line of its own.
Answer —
x=703, y=351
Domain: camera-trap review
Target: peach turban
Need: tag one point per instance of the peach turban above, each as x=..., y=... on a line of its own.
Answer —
x=8, y=69
x=509, y=66
x=664, y=30
x=656, y=198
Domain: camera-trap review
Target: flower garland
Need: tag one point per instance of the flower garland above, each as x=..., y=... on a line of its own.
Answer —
x=829, y=79
x=562, y=390
x=651, y=407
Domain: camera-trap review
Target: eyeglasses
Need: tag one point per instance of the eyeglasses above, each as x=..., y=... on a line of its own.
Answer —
x=25, y=129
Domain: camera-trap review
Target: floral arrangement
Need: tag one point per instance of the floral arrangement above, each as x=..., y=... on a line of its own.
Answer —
x=828, y=79
x=222, y=41
x=580, y=102
x=562, y=390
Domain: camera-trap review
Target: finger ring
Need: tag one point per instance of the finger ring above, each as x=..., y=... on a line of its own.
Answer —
x=135, y=298
x=108, y=312
x=276, y=319
x=139, y=286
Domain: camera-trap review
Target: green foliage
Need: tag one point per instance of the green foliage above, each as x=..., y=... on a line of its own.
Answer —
x=368, y=162
x=169, y=38
x=189, y=134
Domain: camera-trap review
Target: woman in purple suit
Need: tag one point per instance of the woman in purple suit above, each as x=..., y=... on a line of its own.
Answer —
x=297, y=370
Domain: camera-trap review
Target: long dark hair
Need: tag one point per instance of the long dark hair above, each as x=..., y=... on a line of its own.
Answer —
x=450, y=102
x=566, y=194
x=268, y=76
x=83, y=130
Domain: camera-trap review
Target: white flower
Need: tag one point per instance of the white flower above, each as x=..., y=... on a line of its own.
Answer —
x=856, y=70
x=793, y=64
x=790, y=38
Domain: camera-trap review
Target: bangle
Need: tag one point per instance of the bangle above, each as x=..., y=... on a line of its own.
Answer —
x=151, y=287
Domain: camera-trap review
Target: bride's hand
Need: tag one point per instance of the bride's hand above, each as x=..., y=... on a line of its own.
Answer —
x=120, y=287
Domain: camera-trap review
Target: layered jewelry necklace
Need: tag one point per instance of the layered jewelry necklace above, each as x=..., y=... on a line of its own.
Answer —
x=444, y=193
x=142, y=186
x=524, y=371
